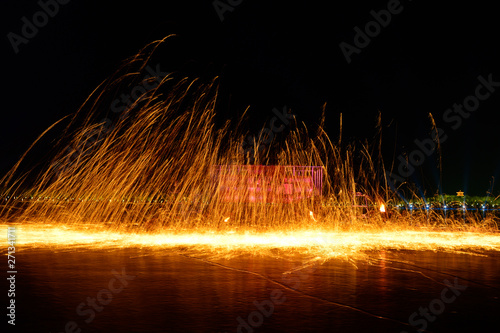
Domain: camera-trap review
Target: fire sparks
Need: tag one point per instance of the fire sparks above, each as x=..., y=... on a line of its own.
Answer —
x=328, y=244
x=147, y=180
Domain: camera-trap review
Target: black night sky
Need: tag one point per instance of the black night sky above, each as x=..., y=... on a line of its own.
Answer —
x=426, y=59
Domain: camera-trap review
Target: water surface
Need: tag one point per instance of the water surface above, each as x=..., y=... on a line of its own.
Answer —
x=186, y=291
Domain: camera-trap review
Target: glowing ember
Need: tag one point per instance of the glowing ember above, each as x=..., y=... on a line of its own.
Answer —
x=382, y=208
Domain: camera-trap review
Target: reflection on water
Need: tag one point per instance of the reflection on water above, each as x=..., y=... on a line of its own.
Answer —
x=181, y=291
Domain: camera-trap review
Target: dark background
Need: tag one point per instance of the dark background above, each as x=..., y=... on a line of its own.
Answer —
x=272, y=55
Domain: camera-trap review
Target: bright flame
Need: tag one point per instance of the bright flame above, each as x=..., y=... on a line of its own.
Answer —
x=382, y=208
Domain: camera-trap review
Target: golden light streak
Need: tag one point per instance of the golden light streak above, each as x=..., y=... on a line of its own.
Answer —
x=327, y=244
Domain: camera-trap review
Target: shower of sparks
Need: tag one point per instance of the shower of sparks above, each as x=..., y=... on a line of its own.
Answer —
x=145, y=181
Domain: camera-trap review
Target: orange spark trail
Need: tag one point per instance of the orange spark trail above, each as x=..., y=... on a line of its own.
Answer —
x=318, y=243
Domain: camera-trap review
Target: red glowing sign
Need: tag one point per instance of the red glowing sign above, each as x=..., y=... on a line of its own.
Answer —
x=267, y=183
